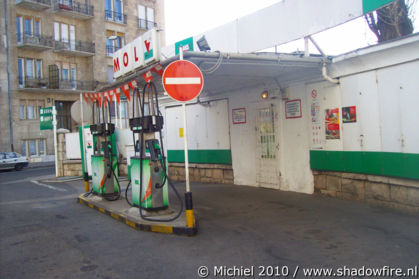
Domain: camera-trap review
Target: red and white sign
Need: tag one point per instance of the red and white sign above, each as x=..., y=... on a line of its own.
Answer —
x=183, y=80
x=314, y=93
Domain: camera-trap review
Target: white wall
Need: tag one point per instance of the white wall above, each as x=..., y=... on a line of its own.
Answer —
x=387, y=113
x=207, y=126
x=295, y=134
x=72, y=146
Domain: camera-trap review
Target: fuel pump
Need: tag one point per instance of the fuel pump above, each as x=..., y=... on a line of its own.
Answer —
x=104, y=159
x=148, y=168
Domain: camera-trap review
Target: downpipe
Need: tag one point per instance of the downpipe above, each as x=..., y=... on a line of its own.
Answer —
x=327, y=77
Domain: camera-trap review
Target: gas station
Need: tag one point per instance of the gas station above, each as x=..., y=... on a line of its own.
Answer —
x=263, y=119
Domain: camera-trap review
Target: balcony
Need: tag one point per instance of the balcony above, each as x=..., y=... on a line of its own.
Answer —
x=115, y=17
x=75, y=48
x=37, y=5
x=146, y=24
x=73, y=9
x=76, y=85
x=32, y=42
x=45, y=84
x=33, y=83
x=110, y=50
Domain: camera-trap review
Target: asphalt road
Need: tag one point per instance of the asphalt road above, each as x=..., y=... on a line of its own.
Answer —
x=44, y=233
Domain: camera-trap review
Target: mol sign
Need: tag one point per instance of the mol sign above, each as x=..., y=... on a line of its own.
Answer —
x=142, y=51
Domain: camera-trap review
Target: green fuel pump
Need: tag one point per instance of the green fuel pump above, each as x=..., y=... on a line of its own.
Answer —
x=148, y=169
x=104, y=159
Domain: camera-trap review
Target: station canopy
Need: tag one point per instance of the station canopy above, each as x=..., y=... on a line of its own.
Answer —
x=226, y=72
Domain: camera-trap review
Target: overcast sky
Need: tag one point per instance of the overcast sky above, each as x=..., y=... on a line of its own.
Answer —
x=185, y=18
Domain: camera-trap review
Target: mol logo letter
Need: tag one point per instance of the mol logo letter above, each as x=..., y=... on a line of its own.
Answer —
x=150, y=46
x=117, y=64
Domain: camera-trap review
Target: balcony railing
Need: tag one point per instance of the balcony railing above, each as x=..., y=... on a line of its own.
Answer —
x=115, y=17
x=34, y=42
x=76, y=85
x=74, y=8
x=37, y=5
x=75, y=47
x=110, y=50
x=45, y=83
x=146, y=24
x=31, y=82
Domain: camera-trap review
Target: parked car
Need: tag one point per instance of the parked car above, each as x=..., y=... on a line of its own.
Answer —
x=12, y=160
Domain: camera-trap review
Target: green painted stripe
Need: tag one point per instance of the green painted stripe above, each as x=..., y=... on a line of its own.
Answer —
x=207, y=156
x=371, y=5
x=405, y=165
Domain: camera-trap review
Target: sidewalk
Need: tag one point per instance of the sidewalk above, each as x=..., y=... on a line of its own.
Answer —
x=41, y=164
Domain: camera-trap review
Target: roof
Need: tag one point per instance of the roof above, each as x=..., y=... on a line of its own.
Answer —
x=226, y=72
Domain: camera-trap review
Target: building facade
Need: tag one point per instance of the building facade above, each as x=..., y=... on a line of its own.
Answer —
x=58, y=49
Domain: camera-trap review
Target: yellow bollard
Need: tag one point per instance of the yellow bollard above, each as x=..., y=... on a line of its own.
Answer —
x=190, y=219
x=86, y=186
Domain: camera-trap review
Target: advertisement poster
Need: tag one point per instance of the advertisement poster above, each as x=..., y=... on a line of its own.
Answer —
x=332, y=124
x=349, y=114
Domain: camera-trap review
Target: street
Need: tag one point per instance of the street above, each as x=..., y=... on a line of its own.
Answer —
x=46, y=234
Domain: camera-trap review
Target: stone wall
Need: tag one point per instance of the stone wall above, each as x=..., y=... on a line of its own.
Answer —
x=377, y=190
x=210, y=173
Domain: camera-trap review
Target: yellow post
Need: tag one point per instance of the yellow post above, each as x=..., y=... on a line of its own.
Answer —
x=86, y=186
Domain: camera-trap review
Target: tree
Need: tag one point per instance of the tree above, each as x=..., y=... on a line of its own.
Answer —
x=392, y=21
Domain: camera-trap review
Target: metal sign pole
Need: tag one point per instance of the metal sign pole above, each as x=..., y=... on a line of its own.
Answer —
x=54, y=124
x=185, y=136
x=190, y=218
x=85, y=174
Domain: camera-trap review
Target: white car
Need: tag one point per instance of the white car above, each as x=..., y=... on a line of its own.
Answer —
x=12, y=160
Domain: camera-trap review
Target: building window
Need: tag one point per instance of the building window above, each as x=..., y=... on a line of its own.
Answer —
x=24, y=148
x=27, y=26
x=20, y=71
x=114, y=45
x=114, y=11
x=65, y=34
x=19, y=28
x=41, y=147
x=145, y=17
x=29, y=109
x=29, y=68
x=32, y=147
x=36, y=147
x=22, y=111
x=29, y=72
x=67, y=75
x=124, y=113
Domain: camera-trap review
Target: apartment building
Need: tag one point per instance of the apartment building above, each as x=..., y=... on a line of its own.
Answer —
x=57, y=49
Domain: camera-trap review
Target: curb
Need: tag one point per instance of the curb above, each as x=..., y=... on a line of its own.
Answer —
x=158, y=228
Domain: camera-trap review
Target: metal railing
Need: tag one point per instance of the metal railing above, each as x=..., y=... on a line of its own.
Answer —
x=45, y=2
x=110, y=50
x=30, y=39
x=115, y=17
x=31, y=82
x=146, y=24
x=44, y=83
x=73, y=6
x=76, y=85
x=75, y=46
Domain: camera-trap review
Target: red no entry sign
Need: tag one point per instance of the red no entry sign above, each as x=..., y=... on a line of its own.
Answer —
x=183, y=80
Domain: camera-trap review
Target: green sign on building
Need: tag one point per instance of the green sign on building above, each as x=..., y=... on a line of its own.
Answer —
x=46, y=118
x=186, y=44
x=371, y=5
